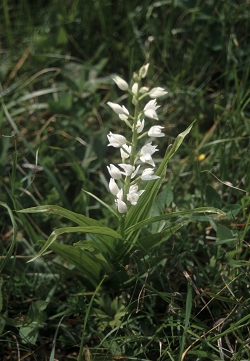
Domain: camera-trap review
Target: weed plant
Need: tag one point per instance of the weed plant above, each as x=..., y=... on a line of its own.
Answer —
x=188, y=298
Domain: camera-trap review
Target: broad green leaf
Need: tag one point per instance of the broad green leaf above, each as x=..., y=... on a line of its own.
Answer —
x=36, y=312
x=212, y=197
x=232, y=210
x=104, y=231
x=224, y=233
x=29, y=334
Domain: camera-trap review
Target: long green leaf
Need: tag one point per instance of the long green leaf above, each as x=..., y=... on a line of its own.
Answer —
x=105, y=231
x=74, y=217
x=103, y=203
x=144, y=205
x=80, y=355
x=165, y=216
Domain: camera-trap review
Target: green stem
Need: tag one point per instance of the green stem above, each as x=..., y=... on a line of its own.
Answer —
x=122, y=226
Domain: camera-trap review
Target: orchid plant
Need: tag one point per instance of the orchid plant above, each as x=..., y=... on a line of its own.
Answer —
x=128, y=174
x=134, y=183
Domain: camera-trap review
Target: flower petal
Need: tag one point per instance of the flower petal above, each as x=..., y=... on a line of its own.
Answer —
x=128, y=168
x=125, y=151
x=122, y=207
x=155, y=131
x=122, y=84
x=157, y=92
x=116, y=140
x=113, y=187
x=114, y=172
x=148, y=174
x=118, y=109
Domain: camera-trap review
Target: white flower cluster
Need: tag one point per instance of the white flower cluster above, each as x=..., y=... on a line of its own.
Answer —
x=127, y=171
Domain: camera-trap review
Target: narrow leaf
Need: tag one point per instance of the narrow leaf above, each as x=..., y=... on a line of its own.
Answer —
x=166, y=216
x=103, y=203
x=74, y=217
x=93, y=230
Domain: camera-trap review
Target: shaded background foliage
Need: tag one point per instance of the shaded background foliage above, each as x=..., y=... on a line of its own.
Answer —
x=56, y=67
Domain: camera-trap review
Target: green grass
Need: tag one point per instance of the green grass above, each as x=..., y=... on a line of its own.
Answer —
x=187, y=299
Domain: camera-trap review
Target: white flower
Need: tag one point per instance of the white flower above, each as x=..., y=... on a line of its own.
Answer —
x=155, y=131
x=128, y=168
x=133, y=194
x=116, y=140
x=146, y=158
x=133, y=188
x=128, y=149
x=133, y=198
x=114, y=172
x=122, y=84
x=150, y=109
x=122, y=207
x=157, y=92
x=118, y=109
x=143, y=71
x=113, y=187
x=147, y=174
x=135, y=88
x=146, y=152
x=149, y=148
x=135, y=172
x=143, y=90
x=140, y=125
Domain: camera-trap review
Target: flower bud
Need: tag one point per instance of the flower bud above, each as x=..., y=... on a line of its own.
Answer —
x=155, y=131
x=122, y=207
x=116, y=140
x=113, y=187
x=135, y=88
x=157, y=92
x=135, y=77
x=143, y=71
x=148, y=174
x=144, y=90
x=118, y=109
x=114, y=172
x=122, y=84
x=125, y=151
